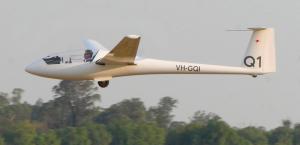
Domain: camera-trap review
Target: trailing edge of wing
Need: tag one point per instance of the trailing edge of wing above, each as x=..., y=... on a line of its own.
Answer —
x=107, y=78
x=123, y=53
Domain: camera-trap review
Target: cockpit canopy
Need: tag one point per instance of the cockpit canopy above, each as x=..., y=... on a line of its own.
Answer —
x=92, y=48
x=74, y=56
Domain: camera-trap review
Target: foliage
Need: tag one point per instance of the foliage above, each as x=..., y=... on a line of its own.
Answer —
x=257, y=136
x=126, y=132
x=282, y=135
x=98, y=134
x=48, y=138
x=161, y=114
x=202, y=118
x=16, y=95
x=74, y=136
x=296, y=135
x=72, y=118
x=214, y=132
x=73, y=105
x=132, y=109
x=1, y=140
x=22, y=133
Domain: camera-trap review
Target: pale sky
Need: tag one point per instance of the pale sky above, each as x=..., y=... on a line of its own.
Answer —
x=182, y=30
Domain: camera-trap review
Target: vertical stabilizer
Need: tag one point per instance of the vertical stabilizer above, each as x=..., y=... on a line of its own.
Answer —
x=261, y=51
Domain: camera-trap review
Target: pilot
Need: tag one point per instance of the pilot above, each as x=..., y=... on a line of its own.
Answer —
x=88, y=55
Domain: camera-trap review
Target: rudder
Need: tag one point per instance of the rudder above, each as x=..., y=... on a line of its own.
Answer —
x=261, y=51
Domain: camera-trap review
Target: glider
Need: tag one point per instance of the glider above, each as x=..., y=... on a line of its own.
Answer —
x=99, y=64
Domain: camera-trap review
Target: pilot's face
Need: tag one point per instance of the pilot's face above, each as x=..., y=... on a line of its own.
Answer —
x=87, y=55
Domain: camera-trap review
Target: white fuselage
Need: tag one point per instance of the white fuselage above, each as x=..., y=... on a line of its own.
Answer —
x=92, y=71
x=96, y=63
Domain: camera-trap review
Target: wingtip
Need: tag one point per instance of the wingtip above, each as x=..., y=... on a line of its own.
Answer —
x=257, y=28
x=133, y=36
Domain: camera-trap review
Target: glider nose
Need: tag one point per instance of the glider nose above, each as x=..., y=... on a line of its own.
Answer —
x=30, y=68
x=33, y=68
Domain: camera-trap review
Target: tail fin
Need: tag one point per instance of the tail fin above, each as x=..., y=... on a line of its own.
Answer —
x=261, y=51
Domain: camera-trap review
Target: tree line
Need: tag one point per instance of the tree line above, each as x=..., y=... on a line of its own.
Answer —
x=72, y=118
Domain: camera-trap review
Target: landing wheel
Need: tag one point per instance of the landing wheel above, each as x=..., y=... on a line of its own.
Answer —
x=254, y=76
x=103, y=84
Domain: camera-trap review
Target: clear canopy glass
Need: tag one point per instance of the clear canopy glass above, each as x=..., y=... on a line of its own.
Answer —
x=74, y=56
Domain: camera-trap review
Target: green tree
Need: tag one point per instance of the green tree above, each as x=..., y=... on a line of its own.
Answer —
x=74, y=136
x=4, y=102
x=161, y=114
x=1, y=141
x=11, y=109
x=214, y=132
x=98, y=134
x=257, y=136
x=121, y=131
x=3, y=99
x=127, y=132
x=296, y=135
x=48, y=138
x=39, y=102
x=17, y=95
x=281, y=135
x=147, y=134
x=79, y=98
x=133, y=109
x=175, y=131
x=202, y=118
x=73, y=104
x=286, y=123
x=22, y=133
x=15, y=112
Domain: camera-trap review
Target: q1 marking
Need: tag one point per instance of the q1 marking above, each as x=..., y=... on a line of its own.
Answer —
x=250, y=61
x=190, y=68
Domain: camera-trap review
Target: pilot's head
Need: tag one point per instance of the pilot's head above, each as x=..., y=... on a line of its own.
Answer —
x=88, y=54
